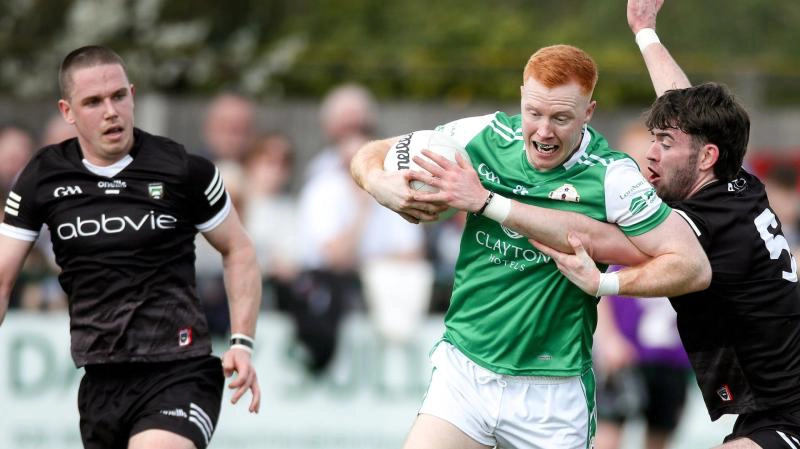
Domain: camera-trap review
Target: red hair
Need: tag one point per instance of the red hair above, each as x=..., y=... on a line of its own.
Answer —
x=561, y=64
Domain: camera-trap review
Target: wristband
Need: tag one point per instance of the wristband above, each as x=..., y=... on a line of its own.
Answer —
x=609, y=284
x=498, y=209
x=242, y=341
x=645, y=37
x=479, y=212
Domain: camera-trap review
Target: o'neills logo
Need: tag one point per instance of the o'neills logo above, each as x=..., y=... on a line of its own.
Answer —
x=402, y=151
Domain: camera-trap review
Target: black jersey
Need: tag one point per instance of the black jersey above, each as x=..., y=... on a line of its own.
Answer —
x=125, y=245
x=742, y=334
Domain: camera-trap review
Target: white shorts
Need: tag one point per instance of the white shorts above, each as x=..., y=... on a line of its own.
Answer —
x=511, y=411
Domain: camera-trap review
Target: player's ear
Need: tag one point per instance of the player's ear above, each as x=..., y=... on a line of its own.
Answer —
x=709, y=155
x=66, y=111
x=589, y=111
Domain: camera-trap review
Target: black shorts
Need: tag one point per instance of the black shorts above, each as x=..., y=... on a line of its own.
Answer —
x=655, y=391
x=769, y=429
x=118, y=400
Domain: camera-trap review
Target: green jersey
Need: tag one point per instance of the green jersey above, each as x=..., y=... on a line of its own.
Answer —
x=511, y=310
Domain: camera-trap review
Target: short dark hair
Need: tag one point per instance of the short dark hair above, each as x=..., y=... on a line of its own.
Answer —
x=709, y=113
x=88, y=56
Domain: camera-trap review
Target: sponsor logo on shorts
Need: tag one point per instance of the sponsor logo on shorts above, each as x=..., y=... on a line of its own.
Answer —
x=725, y=393
x=185, y=337
x=178, y=412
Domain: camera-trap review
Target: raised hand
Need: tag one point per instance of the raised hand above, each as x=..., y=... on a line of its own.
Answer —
x=642, y=14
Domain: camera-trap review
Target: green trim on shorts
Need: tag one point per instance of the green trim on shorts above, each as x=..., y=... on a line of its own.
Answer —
x=589, y=386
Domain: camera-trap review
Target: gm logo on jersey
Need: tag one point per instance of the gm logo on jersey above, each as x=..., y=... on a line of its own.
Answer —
x=66, y=191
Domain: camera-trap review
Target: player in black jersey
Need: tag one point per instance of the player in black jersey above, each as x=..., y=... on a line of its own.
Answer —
x=742, y=333
x=123, y=208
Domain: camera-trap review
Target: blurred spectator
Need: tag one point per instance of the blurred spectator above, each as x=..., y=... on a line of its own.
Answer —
x=57, y=130
x=270, y=216
x=443, y=244
x=229, y=127
x=781, y=184
x=16, y=148
x=341, y=231
x=37, y=286
x=228, y=132
x=642, y=369
x=346, y=110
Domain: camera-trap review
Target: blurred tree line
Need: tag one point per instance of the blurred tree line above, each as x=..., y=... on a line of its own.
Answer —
x=458, y=50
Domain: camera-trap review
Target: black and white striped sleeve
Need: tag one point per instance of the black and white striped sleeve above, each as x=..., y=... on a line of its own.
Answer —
x=211, y=203
x=21, y=215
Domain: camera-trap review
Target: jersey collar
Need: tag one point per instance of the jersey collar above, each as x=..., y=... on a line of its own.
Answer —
x=587, y=138
x=111, y=170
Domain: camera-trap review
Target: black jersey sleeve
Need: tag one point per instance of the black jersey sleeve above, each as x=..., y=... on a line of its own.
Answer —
x=207, y=192
x=23, y=217
x=695, y=221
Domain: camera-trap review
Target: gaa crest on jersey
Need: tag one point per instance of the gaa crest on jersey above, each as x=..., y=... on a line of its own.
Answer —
x=156, y=190
x=567, y=192
x=724, y=393
x=185, y=336
x=66, y=191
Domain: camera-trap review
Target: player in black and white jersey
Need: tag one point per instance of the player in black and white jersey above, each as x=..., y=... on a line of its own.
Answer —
x=742, y=334
x=123, y=208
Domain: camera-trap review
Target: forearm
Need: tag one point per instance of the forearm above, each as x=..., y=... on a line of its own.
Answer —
x=665, y=73
x=368, y=161
x=665, y=275
x=243, y=287
x=604, y=242
x=5, y=296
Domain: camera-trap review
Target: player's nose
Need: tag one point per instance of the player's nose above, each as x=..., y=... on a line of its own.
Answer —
x=110, y=110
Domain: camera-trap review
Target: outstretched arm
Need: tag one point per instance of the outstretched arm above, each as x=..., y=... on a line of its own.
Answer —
x=670, y=249
x=243, y=286
x=390, y=188
x=680, y=267
x=664, y=72
x=460, y=187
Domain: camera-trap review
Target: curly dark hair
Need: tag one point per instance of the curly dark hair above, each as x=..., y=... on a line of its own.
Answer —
x=708, y=113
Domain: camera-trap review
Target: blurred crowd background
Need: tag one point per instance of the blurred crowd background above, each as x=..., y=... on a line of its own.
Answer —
x=281, y=93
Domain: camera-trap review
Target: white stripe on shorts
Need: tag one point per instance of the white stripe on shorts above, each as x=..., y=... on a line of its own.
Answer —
x=201, y=420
